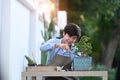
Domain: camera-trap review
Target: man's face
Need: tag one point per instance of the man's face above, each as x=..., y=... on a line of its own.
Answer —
x=69, y=39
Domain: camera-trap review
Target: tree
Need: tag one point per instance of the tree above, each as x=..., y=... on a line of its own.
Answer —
x=109, y=41
x=100, y=21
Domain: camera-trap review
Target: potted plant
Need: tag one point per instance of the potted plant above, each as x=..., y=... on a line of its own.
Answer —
x=30, y=61
x=84, y=46
x=83, y=62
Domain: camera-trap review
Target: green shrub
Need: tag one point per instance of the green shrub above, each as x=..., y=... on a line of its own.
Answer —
x=111, y=73
x=84, y=46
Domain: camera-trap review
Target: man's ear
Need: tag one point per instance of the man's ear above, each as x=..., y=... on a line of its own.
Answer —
x=63, y=33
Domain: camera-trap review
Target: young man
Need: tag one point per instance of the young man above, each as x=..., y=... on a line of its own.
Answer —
x=61, y=51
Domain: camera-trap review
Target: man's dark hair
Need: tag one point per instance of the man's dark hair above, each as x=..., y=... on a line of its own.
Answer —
x=72, y=30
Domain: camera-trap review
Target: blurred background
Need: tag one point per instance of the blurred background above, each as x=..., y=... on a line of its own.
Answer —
x=25, y=24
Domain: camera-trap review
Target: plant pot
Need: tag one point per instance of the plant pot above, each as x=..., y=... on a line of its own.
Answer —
x=82, y=63
x=31, y=64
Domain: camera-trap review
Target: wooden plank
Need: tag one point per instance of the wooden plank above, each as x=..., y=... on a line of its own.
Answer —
x=41, y=68
x=68, y=73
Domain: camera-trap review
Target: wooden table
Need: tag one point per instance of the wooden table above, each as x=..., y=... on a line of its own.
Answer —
x=103, y=74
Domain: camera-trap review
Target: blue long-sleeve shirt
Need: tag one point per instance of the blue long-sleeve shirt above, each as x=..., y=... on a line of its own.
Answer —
x=49, y=46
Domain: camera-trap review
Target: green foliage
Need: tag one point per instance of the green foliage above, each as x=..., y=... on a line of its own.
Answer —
x=99, y=67
x=30, y=61
x=111, y=73
x=51, y=29
x=84, y=45
x=44, y=57
x=47, y=34
x=92, y=11
x=98, y=15
x=48, y=29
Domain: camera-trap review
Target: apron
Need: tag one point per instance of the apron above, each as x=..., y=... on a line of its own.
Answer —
x=60, y=60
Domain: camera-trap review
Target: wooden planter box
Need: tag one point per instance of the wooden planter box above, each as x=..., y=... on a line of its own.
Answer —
x=41, y=68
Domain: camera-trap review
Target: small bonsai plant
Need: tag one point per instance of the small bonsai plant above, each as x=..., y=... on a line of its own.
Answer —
x=84, y=46
x=30, y=61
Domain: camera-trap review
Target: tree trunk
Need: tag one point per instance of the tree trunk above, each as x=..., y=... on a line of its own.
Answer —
x=109, y=52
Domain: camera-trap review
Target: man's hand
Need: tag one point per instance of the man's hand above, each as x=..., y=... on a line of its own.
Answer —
x=63, y=46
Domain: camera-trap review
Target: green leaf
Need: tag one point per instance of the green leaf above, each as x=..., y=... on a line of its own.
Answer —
x=30, y=61
x=84, y=45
